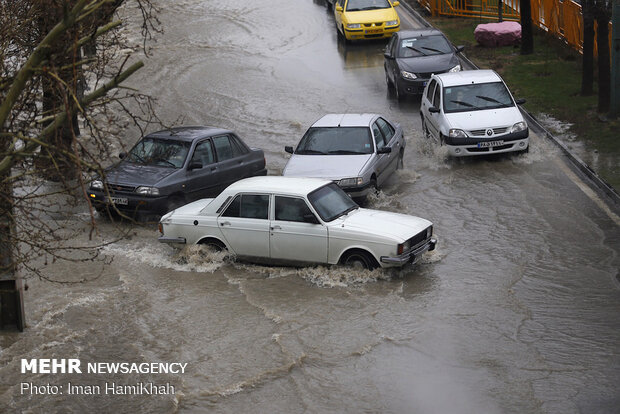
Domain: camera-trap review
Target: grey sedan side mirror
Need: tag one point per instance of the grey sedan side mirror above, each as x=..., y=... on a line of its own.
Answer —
x=459, y=49
x=288, y=149
x=433, y=110
x=195, y=165
x=384, y=150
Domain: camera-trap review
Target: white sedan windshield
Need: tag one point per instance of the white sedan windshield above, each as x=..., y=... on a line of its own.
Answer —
x=331, y=202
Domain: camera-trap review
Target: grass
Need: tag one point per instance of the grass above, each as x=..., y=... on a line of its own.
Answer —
x=550, y=81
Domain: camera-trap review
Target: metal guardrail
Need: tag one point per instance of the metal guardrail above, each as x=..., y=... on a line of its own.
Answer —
x=612, y=196
x=561, y=18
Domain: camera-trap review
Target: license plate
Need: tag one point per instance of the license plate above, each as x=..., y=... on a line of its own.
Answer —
x=118, y=200
x=486, y=144
x=373, y=31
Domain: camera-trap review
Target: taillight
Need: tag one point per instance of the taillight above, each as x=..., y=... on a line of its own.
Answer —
x=401, y=249
x=160, y=227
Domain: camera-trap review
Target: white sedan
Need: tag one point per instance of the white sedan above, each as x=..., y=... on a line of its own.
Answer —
x=290, y=220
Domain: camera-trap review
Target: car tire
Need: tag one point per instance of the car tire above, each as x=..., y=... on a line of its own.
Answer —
x=359, y=259
x=398, y=93
x=401, y=160
x=213, y=244
x=174, y=202
x=390, y=84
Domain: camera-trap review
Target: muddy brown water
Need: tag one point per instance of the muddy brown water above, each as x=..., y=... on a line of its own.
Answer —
x=517, y=311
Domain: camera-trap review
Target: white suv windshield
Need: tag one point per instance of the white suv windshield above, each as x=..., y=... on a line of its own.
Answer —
x=476, y=97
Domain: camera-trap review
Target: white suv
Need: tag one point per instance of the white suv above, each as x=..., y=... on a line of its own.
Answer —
x=473, y=113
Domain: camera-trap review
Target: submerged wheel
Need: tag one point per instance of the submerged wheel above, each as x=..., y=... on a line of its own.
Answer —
x=359, y=259
x=427, y=134
x=213, y=244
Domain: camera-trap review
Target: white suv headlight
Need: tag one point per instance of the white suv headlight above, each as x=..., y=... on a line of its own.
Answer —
x=518, y=127
x=457, y=133
x=151, y=191
x=350, y=182
x=408, y=75
x=457, y=68
x=96, y=185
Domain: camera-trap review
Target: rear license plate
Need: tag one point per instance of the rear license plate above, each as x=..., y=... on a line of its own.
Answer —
x=118, y=200
x=373, y=31
x=486, y=144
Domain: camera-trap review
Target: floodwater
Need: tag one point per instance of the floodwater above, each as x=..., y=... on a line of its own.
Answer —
x=517, y=310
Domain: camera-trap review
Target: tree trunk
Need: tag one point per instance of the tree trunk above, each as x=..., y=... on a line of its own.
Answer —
x=527, y=35
x=603, y=15
x=587, y=69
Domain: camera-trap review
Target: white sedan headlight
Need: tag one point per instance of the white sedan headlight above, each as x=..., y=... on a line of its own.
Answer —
x=150, y=191
x=457, y=68
x=408, y=75
x=354, y=26
x=518, y=127
x=457, y=133
x=350, y=182
x=96, y=185
x=391, y=23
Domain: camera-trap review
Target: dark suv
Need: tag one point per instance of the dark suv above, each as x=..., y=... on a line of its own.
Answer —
x=170, y=168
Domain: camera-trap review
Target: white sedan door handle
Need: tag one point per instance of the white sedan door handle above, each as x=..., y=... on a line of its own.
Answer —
x=225, y=223
x=276, y=228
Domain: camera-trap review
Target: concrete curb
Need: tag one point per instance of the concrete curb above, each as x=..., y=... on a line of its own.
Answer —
x=612, y=196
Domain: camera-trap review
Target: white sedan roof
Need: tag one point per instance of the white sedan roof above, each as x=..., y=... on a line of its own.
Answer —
x=345, y=120
x=277, y=184
x=467, y=77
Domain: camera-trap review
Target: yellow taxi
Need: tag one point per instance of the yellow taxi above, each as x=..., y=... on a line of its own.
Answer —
x=366, y=19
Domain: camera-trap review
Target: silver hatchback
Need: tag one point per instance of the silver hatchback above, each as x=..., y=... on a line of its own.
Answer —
x=356, y=151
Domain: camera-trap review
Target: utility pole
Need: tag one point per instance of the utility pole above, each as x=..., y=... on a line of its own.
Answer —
x=614, y=110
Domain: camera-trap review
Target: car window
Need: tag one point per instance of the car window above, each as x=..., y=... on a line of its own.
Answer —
x=358, y=5
x=478, y=96
x=335, y=140
x=386, y=128
x=291, y=209
x=436, y=97
x=254, y=206
x=159, y=152
x=223, y=149
x=238, y=147
x=379, y=139
x=431, y=90
x=331, y=202
x=423, y=46
x=203, y=153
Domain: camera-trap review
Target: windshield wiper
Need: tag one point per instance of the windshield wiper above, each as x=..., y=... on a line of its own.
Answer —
x=138, y=158
x=417, y=50
x=432, y=50
x=309, y=151
x=489, y=99
x=373, y=8
x=166, y=161
x=347, y=211
x=465, y=104
x=345, y=152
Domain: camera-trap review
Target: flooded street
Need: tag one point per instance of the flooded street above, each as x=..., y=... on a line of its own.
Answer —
x=516, y=311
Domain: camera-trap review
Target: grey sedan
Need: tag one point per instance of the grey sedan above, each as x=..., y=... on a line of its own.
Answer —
x=357, y=151
x=169, y=168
